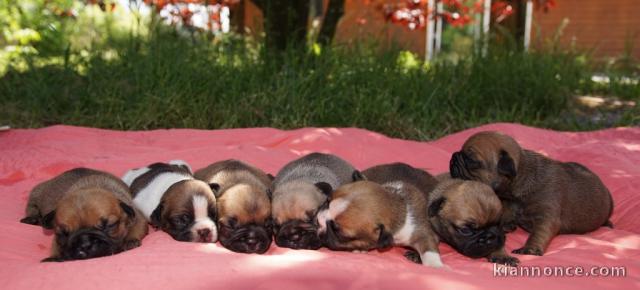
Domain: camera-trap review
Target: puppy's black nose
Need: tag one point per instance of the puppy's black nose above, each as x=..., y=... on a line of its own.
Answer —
x=488, y=238
x=252, y=238
x=83, y=247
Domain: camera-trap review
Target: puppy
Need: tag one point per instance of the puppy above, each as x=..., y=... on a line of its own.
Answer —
x=365, y=215
x=301, y=189
x=402, y=173
x=173, y=201
x=543, y=196
x=91, y=212
x=244, y=206
x=466, y=215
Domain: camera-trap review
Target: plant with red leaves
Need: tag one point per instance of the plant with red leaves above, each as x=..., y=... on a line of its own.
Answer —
x=410, y=14
x=202, y=15
x=413, y=13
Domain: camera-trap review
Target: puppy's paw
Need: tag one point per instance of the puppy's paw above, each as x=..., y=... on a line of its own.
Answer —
x=413, y=256
x=131, y=244
x=504, y=260
x=30, y=220
x=509, y=227
x=52, y=259
x=529, y=251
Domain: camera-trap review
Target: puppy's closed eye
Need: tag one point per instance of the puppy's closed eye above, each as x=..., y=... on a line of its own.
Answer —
x=470, y=162
x=230, y=223
x=465, y=231
x=181, y=221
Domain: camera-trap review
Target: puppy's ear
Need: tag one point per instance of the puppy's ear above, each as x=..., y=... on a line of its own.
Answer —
x=325, y=188
x=385, y=239
x=128, y=209
x=212, y=212
x=156, y=215
x=187, y=168
x=506, y=166
x=357, y=176
x=47, y=220
x=436, y=206
x=215, y=188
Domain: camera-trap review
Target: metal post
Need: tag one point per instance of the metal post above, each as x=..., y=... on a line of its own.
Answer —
x=527, y=25
x=430, y=31
x=439, y=9
x=486, y=21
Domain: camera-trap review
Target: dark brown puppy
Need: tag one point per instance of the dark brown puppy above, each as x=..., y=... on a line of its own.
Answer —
x=365, y=215
x=244, y=206
x=466, y=215
x=91, y=212
x=401, y=172
x=543, y=196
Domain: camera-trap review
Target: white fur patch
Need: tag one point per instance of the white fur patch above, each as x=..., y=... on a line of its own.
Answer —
x=322, y=218
x=132, y=174
x=397, y=185
x=149, y=197
x=403, y=236
x=180, y=162
x=201, y=218
x=432, y=259
x=336, y=207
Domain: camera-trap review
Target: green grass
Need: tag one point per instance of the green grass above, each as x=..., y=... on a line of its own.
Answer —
x=167, y=81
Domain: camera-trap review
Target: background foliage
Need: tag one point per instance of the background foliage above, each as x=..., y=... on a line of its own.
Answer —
x=96, y=65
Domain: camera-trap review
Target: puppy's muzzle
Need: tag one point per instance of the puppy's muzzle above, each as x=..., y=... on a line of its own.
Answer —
x=296, y=234
x=247, y=239
x=88, y=243
x=484, y=243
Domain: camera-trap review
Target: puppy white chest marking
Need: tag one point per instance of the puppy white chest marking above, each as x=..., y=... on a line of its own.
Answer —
x=132, y=174
x=432, y=259
x=202, y=219
x=336, y=207
x=149, y=197
x=403, y=236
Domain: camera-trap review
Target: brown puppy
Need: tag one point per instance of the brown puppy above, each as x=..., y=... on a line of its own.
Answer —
x=543, y=196
x=365, y=215
x=92, y=214
x=300, y=190
x=466, y=215
x=398, y=173
x=244, y=206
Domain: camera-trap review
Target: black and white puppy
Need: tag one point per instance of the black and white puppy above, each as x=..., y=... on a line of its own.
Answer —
x=172, y=200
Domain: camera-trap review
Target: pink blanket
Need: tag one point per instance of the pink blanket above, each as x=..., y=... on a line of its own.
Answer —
x=31, y=156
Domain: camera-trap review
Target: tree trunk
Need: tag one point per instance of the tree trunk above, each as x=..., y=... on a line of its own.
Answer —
x=285, y=23
x=237, y=17
x=335, y=10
